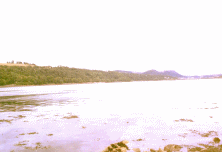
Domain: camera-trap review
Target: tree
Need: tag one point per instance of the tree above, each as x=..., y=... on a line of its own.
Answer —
x=2, y=82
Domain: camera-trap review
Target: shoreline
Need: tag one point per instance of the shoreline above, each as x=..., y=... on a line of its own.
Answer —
x=14, y=85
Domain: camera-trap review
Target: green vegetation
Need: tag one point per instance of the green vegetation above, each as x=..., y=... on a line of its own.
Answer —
x=5, y=120
x=32, y=133
x=39, y=75
x=122, y=144
x=70, y=117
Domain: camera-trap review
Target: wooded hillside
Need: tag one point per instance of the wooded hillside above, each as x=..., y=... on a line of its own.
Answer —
x=37, y=75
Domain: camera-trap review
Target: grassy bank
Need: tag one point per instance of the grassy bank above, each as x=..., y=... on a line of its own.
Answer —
x=39, y=75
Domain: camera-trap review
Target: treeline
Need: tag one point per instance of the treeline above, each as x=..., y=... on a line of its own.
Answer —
x=37, y=75
x=19, y=62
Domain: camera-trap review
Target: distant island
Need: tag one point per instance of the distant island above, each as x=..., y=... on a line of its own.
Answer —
x=23, y=73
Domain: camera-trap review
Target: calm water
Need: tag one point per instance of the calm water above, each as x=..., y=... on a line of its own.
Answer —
x=185, y=112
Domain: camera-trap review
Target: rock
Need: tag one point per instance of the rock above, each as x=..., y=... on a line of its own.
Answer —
x=195, y=149
x=172, y=147
x=160, y=150
x=136, y=150
x=125, y=141
x=122, y=149
x=217, y=140
x=117, y=147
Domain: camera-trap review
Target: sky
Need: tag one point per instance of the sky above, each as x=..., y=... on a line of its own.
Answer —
x=185, y=36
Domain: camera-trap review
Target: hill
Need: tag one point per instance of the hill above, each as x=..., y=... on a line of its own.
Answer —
x=39, y=75
x=170, y=73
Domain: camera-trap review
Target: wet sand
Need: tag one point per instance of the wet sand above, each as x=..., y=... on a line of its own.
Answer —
x=90, y=117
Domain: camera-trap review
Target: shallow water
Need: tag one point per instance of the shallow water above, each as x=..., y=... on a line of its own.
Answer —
x=184, y=112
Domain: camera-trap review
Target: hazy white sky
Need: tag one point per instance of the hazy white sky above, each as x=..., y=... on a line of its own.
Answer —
x=185, y=36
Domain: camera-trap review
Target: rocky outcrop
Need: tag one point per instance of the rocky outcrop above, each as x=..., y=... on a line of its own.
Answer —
x=122, y=147
x=117, y=147
x=172, y=147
